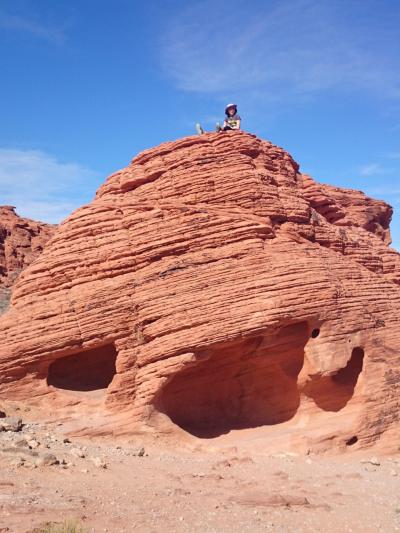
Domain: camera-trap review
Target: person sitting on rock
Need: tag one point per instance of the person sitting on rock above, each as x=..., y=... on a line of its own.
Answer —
x=232, y=120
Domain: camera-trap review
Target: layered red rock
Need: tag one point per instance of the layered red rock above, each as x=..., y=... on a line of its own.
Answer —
x=21, y=241
x=212, y=289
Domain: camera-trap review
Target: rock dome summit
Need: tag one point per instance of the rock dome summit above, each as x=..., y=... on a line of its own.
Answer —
x=213, y=290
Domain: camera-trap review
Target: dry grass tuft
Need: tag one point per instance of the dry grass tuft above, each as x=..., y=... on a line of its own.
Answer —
x=68, y=526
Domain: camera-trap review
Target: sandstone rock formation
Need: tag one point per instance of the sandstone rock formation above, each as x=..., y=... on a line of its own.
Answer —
x=21, y=241
x=211, y=289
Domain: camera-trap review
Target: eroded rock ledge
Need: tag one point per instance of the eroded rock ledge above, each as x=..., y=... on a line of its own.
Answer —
x=21, y=241
x=209, y=289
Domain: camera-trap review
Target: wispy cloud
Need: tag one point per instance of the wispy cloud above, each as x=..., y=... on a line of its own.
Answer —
x=393, y=155
x=285, y=46
x=31, y=26
x=384, y=189
x=42, y=187
x=372, y=169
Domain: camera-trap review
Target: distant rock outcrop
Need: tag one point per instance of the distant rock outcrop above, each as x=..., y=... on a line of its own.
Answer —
x=21, y=241
x=212, y=287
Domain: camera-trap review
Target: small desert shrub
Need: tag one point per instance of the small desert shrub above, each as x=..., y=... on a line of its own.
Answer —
x=68, y=526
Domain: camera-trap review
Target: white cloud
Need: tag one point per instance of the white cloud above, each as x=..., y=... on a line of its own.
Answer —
x=393, y=155
x=285, y=46
x=372, y=169
x=384, y=190
x=31, y=26
x=42, y=187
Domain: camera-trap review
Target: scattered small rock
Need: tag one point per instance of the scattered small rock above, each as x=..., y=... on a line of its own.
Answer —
x=240, y=459
x=48, y=459
x=373, y=461
x=23, y=443
x=99, y=462
x=33, y=443
x=77, y=452
x=140, y=452
x=66, y=441
x=223, y=463
x=10, y=423
x=17, y=461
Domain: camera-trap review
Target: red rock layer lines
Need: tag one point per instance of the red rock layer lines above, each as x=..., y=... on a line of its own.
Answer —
x=213, y=290
x=21, y=241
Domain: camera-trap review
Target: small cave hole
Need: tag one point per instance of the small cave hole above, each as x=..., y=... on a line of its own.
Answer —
x=351, y=441
x=315, y=333
x=85, y=371
x=349, y=374
x=332, y=393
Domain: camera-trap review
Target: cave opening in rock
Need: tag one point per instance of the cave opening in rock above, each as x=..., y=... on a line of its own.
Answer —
x=351, y=441
x=244, y=384
x=332, y=393
x=89, y=370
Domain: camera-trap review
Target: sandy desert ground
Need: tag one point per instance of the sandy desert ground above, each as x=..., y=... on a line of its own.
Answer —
x=151, y=484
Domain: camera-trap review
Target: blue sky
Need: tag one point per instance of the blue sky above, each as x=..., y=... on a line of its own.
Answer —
x=87, y=85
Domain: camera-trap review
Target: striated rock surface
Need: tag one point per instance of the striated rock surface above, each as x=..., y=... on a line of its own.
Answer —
x=213, y=290
x=21, y=241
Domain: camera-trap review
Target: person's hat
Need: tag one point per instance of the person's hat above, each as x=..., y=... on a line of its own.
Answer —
x=229, y=106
